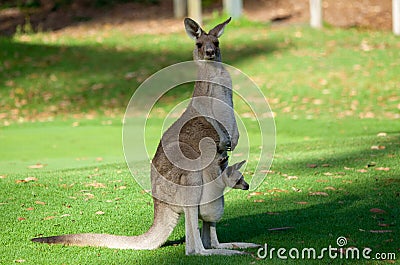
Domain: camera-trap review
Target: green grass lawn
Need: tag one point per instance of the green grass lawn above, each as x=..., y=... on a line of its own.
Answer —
x=335, y=94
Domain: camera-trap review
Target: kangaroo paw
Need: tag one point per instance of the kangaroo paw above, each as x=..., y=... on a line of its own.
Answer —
x=224, y=145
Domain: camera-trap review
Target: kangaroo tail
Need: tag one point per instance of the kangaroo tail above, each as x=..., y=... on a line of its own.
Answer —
x=165, y=219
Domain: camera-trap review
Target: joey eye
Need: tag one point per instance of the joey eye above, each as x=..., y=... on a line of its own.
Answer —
x=216, y=43
x=199, y=44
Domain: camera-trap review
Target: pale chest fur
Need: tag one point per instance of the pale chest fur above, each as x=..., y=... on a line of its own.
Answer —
x=212, y=211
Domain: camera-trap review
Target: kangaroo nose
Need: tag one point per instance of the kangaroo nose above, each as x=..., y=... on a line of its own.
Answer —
x=210, y=52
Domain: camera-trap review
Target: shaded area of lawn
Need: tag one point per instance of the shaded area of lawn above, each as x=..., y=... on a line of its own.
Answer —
x=48, y=80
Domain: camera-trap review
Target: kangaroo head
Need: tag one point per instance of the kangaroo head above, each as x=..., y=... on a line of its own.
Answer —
x=207, y=44
x=234, y=178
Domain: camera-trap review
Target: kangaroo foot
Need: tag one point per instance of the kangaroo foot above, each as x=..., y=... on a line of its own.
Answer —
x=235, y=245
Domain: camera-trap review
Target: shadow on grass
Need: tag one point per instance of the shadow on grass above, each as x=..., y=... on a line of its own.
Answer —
x=75, y=78
x=317, y=221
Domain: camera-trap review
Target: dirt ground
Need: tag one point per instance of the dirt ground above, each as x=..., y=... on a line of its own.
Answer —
x=141, y=18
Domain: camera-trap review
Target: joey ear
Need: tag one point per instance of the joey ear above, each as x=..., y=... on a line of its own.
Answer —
x=239, y=165
x=193, y=29
x=219, y=29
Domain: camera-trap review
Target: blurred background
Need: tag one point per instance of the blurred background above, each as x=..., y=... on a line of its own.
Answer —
x=57, y=14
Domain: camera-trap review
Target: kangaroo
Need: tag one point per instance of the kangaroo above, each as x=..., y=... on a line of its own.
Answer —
x=212, y=211
x=187, y=160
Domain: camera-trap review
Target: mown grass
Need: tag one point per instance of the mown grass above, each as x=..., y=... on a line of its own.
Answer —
x=333, y=91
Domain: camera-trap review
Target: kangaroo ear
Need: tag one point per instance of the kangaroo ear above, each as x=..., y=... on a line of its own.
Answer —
x=239, y=165
x=219, y=29
x=193, y=29
x=229, y=170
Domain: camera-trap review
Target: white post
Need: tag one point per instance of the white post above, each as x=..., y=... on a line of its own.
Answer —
x=194, y=10
x=396, y=16
x=316, y=13
x=233, y=7
x=179, y=8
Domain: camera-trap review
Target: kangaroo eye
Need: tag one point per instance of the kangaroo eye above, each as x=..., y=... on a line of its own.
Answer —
x=199, y=44
x=216, y=43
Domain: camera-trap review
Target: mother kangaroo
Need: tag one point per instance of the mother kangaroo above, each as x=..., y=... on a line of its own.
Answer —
x=187, y=157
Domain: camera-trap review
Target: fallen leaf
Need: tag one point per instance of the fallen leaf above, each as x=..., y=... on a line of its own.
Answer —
x=302, y=203
x=261, y=200
x=326, y=165
x=99, y=159
x=291, y=177
x=378, y=147
x=380, y=231
x=30, y=209
x=38, y=165
x=362, y=170
x=49, y=218
x=256, y=193
x=40, y=203
x=28, y=179
x=88, y=196
x=75, y=124
x=276, y=190
x=296, y=189
x=382, y=134
x=21, y=218
x=65, y=215
x=130, y=75
x=312, y=165
x=100, y=212
x=321, y=180
x=19, y=260
x=97, y=86
x=377, y=210
x=266, y=171
x=96, y=185
x=2, y=177
x=365, y=46
x=318, y=193
x=238, y=154
x=280, y=228
x=122, y=187
x=382, y=168
x=329, y=188
x=384, y=225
